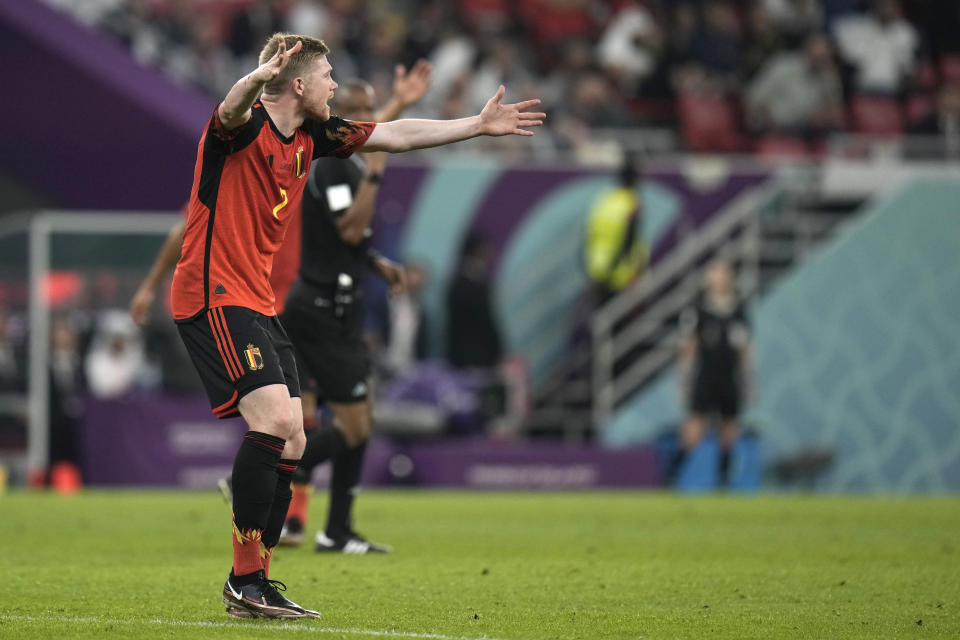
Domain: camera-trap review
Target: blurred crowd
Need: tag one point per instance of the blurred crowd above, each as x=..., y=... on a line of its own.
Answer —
x=725, y=75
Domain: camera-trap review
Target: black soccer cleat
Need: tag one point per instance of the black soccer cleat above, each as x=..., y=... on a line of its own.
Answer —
x=352, y=543
x=226, y=488
x=261, y=599
x=292, y=533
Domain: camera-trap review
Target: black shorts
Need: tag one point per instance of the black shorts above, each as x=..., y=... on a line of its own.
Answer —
x=714, y=394
x=332, y=356
x=237, y=350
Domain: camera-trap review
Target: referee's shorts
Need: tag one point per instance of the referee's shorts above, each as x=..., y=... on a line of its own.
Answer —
x=332, y=356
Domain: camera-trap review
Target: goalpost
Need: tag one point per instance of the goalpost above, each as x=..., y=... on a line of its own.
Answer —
x=34, y=245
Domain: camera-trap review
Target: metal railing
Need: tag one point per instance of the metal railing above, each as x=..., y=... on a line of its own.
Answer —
x=632, y=324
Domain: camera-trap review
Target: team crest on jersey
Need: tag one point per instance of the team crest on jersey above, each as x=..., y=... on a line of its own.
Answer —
x=299, y=164
x=254, y=359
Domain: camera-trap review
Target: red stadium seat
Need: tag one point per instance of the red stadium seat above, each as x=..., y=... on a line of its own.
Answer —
x=950, y=68
x=780, y=146
x=919, y=106
x=708, y=122
x=876, y=115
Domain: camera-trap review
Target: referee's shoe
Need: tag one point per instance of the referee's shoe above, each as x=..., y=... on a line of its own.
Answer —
x=352, y=543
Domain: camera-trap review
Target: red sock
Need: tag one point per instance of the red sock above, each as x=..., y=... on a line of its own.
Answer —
x=266, y=553
x=299, y=502
x=246, y=551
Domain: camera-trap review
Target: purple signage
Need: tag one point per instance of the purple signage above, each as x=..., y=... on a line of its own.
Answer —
x=177, y=442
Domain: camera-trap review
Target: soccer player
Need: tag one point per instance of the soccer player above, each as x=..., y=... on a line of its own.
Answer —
x=715, y=366
x=252, y=162
x=324, y=317
x=333, y=242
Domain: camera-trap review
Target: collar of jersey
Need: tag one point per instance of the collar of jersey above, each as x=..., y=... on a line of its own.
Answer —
x=266, y=114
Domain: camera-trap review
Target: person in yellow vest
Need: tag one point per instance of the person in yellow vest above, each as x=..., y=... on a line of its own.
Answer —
x=616, y=252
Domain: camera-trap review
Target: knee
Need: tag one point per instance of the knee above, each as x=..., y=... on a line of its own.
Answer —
x=297, y=441
x=356, y=431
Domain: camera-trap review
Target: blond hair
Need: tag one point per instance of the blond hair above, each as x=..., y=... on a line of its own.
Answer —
x=310, y=50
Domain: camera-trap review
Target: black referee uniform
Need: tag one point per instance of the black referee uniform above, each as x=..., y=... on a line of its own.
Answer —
x=721, y=335
x=324, y=309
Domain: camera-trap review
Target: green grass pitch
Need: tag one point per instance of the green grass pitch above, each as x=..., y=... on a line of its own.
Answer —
x=524, y=566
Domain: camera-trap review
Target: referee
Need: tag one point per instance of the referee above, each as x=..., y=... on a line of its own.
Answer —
x=715, y=366
x=324, y=316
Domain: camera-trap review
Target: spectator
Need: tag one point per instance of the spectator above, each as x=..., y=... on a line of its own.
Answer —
x=797, y=93
x=577, y=60
x=942, y=128
x=502, y=65
x=594, y=102
x=205, y=62
x=115, y=364
x=473, y=336
x=795, y=18
x=65, y=405
x=880, y=48
x=715, y=366
x=13, y=374
x=761, y=42
x=251, y=26
x=629, y=47
x=717, y=42
x=406, y=341
x=309, y=17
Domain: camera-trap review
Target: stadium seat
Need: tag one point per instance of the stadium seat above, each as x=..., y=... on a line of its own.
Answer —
x=746, y=472
x=876, y=115
x=919, y=106
x=781, y=146
x=699, y=471
x=950, y=68
x=708, y=122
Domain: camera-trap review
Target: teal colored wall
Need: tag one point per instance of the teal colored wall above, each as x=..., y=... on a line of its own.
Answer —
x=541, y=280
x=858, y=350
x=441, y=217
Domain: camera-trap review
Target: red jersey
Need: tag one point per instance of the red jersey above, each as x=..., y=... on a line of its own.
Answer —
x=246, y=185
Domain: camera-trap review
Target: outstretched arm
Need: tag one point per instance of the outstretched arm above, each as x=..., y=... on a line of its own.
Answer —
x=235, y=108
x=166, y=260
x=496, y=119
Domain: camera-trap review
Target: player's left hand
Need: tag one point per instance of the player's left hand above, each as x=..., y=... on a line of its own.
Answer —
x=498, y=119
x=410, y=87
x=393, y=273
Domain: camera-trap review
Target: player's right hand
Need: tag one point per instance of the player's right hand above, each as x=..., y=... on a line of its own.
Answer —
x=272, y=67
x=140, y=305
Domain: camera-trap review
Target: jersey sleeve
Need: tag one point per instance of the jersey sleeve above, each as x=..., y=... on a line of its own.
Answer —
x=229, y=141
x=338, y=137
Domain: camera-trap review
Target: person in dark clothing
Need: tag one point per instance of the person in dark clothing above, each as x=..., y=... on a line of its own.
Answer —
x=940, y=131
x=473, y=337
x=715, y=366
x=324, y=315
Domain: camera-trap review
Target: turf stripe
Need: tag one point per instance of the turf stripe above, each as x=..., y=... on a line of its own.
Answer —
x=283, y=626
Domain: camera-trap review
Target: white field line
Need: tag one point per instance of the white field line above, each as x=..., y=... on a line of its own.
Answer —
x=270, y=624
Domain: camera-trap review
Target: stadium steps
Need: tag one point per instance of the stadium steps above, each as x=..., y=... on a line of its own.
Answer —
x=767, y=242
